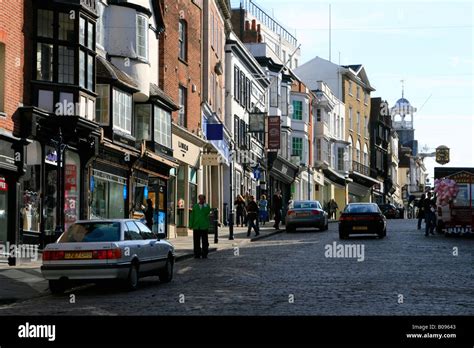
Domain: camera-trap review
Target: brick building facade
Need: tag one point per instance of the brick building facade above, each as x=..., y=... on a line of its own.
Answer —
x=11, y=97
x=180, y=77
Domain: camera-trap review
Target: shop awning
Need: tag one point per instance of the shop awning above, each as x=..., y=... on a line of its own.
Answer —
x=362, y=179
x=169, y=161
x=358, y=190
x=334, y=176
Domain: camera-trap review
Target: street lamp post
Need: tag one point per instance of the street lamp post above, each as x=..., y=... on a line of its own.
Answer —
x=347, y=181
x=60, y=148
x=309, y=184
x=231, y=196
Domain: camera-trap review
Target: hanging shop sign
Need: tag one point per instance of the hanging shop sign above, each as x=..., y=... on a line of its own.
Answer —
x=442, y=154
x=274, y=133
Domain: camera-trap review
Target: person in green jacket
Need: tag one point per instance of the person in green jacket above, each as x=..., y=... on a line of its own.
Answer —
x=199, y=223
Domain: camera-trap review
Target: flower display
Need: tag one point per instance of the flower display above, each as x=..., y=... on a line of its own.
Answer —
x=446, y=190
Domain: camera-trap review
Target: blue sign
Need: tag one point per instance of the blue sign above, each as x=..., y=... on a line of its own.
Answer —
x=92, y=184
x=125, y=192
x=257, y=173
x=145, y=192
x=215, y=132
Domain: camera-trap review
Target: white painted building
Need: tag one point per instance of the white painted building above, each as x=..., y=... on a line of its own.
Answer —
x=246, y=93
x=330, y=149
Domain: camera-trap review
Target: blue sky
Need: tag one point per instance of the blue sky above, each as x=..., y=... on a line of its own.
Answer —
x=429, y=44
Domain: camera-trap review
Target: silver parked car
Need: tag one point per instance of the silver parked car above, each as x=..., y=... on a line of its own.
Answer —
x=306, y=214
x=95, y=250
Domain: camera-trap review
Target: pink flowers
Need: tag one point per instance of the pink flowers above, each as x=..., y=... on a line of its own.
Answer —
x=446, y=190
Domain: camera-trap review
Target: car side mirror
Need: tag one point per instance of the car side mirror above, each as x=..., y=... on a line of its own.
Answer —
x=161, y=236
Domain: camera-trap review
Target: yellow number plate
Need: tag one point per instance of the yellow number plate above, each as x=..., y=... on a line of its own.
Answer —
x=78, y=255
x=359, y=228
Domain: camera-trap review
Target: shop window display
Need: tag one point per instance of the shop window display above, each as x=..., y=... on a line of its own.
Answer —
x=107, y=196
x=3, y=209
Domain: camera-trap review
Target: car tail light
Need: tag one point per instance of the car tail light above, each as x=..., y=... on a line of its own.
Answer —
x=290, y=212
x=50, y=255
x=114, y=253
x=107, y=254
x=315, y=212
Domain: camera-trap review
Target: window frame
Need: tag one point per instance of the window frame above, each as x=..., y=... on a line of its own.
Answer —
x=119, y=111
x=294, y=141
x=182, y=102
x=183, y=40
x=297, y=110
x=99, y=89
x=162, y=116
x=2, y=77
x=139, y=27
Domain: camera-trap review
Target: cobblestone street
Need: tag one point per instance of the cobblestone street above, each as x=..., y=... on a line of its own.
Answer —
x=289, y=274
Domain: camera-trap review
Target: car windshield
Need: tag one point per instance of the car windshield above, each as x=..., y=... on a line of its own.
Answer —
x=92, y=232
x=361, y=208
x=306, y=205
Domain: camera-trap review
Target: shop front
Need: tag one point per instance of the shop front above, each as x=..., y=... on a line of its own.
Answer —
x=185, y=180
x=335, y=188
x=52, y=195
x=360, y=189
x=152, y=180
x=11, y=170
x=282, y=176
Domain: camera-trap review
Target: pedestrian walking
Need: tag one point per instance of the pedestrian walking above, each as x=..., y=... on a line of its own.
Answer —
x=199, y=223
x=277, y=203
x=263, y=209
x=421, y=210
x=333, y=209
x=430, y=216
x=149, y=213
x=240, y=210
x=252, y=216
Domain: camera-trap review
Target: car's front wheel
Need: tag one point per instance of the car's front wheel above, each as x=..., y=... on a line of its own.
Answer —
x=57, y=287
x=166, y=274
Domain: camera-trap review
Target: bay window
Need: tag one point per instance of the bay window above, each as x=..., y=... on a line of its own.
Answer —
x=122, y=111
x=44, y=62
x=102, y=105
x=44, y=27
x=284, y=100
x=162, y=127
x=143, y=122
x=66, y=27
x=297, y=147
x=297, y=110
x=142, y=36
x=66, y=65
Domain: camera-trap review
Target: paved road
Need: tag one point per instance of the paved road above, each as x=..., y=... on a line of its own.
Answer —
x=290, y=274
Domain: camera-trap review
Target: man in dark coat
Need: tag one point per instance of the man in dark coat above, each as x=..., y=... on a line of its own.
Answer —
x=149, y=213
x=430, y=216
x=421, y=210
x=277, y=206
x=252, y=216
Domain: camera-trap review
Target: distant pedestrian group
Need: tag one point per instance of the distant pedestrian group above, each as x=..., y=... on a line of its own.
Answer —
x=427, y=211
